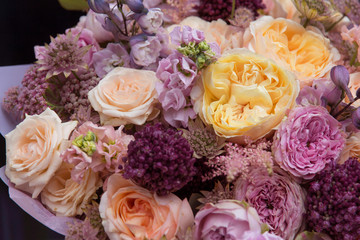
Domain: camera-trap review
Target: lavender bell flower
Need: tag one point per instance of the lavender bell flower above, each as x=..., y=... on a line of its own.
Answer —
x=99, y=6
x=356, y=118
x=114, y=55
x=152, y=21
x=135, y=5
x=145, y=50
x=341, y=77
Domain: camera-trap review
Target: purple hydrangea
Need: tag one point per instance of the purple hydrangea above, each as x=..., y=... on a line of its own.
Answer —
x=185, y=35
x=177, y=74
x=307, y=141
x=333, y=201
x=159, y=159
x=278, y=200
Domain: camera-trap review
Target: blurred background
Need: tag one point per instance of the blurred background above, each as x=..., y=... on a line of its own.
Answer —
x=25, y=24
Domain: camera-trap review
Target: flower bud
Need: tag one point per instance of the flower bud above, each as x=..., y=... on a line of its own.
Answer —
x=358, y=93
x=356, y=118
x=333, y=97
x=152, y=21
x=135, y=5
x=341, y=77
x=99, y=6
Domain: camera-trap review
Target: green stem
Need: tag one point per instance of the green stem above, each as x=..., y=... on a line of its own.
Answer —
x=334, y=24
x=306, y=22
x=346, y=107
x=354, y=55
x=233, y=9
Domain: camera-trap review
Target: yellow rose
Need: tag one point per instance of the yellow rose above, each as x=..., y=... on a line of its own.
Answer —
x=307, y=53
x=226, y=36
x=33, y=150
x=244, y=94
x=131, y=212
x=64, y=196
x=125, y=95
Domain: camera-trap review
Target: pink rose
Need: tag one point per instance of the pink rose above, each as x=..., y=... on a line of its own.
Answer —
x=132, y=212
x=228, y=219
x=307, y=141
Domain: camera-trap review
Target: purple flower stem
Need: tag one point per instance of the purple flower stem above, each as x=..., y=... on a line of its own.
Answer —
x=346, y=107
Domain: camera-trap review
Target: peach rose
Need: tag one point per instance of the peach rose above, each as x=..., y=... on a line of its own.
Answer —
x=282, y=8
x=125, y=95
x=226, y=36
x=307, y=53
x=351, y=149
x=244, y=94
x=132, y=212
x=64, y=196
x=33, y=150
x=354, y=84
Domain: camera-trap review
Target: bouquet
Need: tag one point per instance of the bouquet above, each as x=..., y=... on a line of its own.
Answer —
x=193, y=119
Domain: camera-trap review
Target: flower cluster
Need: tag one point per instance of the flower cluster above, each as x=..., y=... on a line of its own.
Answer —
x=194, y=119
x=159, y=159
x=333, y=201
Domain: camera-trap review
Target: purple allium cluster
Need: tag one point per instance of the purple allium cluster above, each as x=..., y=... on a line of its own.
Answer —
x=69, y=96
x=238, y=161
x=278, y=200
x=307, y=141
x=333, y=201
x=62, y=55
x=215, y=9
x=28, y=99
x=159, y=159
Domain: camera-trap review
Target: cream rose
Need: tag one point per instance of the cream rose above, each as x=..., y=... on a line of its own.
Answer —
x=307, y=53
x=33, y=150
x=64, y=196
x=354, y=84
x=226, y=36
x=125, y=95
x=244, y=94
x=132, y=212
x=351, y=149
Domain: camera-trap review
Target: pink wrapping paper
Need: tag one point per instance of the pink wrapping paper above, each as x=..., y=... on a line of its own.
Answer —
x=11, y=76
x=35, y=208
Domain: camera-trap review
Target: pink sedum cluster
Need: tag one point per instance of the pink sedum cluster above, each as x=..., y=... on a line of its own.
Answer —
x=111, y=147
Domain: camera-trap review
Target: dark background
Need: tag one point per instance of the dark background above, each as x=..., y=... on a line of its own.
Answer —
x=24, y=24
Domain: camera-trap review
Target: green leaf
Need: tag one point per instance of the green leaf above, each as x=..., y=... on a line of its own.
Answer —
x=74, y=5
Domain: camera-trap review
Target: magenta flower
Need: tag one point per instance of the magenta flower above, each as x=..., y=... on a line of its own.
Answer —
x=278, y=200
x=308, y=140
